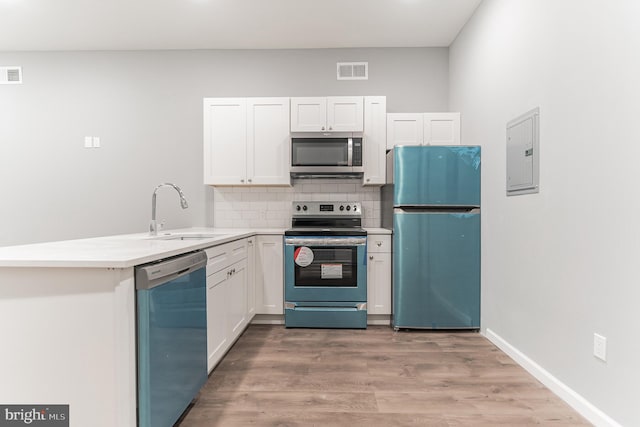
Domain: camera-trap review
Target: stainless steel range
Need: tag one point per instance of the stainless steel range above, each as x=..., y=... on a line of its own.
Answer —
x=325, y=266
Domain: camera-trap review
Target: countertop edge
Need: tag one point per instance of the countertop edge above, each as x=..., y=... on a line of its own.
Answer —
x=20, y=261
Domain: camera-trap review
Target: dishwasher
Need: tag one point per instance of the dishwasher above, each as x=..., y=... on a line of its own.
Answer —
x=171, y=336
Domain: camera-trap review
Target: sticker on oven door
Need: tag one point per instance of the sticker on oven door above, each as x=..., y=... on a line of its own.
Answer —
x=303, y=256
x=331, y=271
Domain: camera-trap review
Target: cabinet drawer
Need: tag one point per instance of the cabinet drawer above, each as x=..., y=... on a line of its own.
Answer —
x=379, y=243
x=219, y=257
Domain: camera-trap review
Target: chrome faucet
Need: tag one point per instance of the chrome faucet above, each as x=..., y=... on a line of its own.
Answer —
x=153, y=227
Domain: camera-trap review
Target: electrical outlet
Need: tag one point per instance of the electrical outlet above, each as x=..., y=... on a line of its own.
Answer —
x=88, y=142
x=600, y=347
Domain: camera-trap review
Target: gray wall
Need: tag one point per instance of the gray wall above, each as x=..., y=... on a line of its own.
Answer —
x=147, y=109
x=562, y=264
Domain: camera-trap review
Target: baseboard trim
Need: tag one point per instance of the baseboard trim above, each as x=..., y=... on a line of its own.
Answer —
x=379, y=319
x=573, y=399
x=268, y=319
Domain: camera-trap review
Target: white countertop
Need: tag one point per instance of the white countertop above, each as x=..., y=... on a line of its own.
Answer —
x=121, y=251
x=124, y=251
x=371, y=230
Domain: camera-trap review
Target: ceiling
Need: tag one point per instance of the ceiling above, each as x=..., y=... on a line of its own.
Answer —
x=229, y=24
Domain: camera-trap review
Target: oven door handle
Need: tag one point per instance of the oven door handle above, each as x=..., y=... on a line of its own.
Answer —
x=325, y=309
x=355, y=307
x=326, y=241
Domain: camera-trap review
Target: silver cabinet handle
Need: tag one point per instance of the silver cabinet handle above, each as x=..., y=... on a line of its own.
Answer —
x=322, y=128
x=249, y=180
x=379, y=244
x=242, y=181
x=370, y=256
x=330, y=127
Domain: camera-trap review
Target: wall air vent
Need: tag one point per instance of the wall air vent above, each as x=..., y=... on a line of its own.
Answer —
x=353, y=71
x=10, y=75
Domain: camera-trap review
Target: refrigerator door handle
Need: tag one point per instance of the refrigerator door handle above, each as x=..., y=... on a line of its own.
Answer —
x=439, y=209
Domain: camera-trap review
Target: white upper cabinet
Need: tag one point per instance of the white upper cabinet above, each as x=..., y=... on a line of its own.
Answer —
x=225, y=140
x=246, y=141
x=327, y=114
x=423, y=129
x=268, y=141
x=442, y=128
x=404, y=129
x=308, y=114
x=345, y=114
x=375, y=140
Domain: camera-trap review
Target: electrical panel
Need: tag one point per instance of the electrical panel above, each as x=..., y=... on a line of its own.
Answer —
x=523, y=166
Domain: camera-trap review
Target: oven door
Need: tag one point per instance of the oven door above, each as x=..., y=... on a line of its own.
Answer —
x=327, y=268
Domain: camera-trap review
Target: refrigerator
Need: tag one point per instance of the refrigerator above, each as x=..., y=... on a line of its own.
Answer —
x=432, y=203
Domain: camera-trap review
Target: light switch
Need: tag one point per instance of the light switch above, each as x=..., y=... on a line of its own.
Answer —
x=88, y=142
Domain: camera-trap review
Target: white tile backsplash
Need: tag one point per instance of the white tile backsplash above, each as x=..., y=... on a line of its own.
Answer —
x=258, y=207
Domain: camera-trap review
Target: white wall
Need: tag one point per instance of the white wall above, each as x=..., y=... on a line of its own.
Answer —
x=562, y=264
x=147, y=109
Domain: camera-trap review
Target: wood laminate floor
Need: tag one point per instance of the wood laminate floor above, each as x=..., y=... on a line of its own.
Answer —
x=375, y=377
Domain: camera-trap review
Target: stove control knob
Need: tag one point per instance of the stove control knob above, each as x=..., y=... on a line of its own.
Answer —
x=297, y=207
x=355, y=208
x=341, y=207
x=348, y=207
x=304, y=207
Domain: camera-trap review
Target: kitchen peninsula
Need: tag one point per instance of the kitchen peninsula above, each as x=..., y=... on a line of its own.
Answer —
x=67, y=311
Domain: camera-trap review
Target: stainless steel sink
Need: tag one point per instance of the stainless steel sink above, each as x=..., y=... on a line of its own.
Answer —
x=188, y=236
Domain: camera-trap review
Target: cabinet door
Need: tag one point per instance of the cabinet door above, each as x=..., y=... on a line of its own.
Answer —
x=268, y=141
x=216, y=317
x=251, y=278
x=237, y=299
x=379, y=283
x=225, y=140
x=379, y=274
x=442, y=128
x=308, y=114
x=404, y=129
x=375, y=140
x=269, y=275
x=345, y=114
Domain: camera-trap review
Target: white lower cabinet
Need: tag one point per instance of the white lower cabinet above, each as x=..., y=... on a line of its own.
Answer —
x=269, y=275
x=379, y=274
x=237, y=299
x=217, y=332
x=227, y=297
x=244, y=278
x=251, y=277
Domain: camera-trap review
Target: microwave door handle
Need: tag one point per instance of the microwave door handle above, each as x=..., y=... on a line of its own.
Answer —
x=350, y=152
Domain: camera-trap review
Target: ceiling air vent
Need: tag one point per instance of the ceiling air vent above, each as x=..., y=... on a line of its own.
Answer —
x=10, y=75
x=353, y=70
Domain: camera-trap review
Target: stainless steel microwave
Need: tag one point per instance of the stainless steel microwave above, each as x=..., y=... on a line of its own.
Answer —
x=332, y=155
